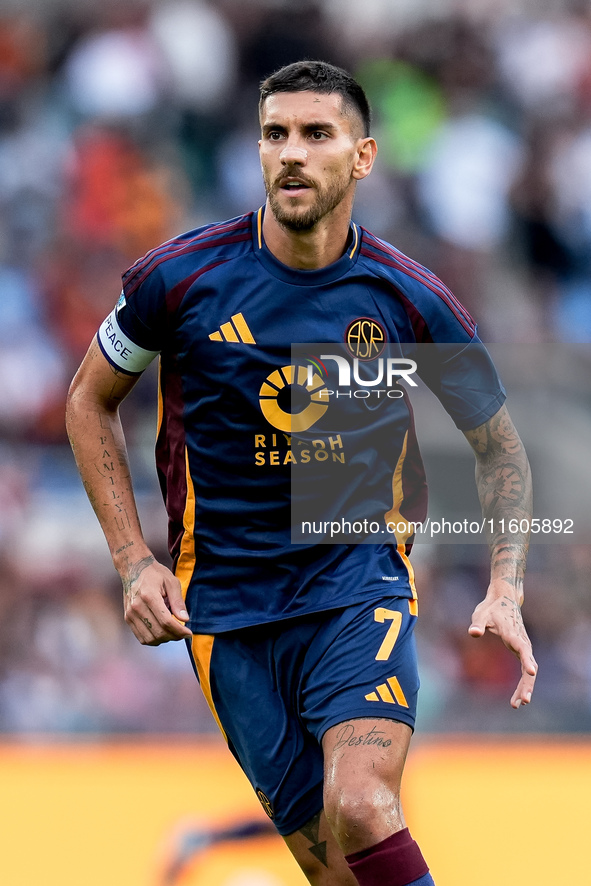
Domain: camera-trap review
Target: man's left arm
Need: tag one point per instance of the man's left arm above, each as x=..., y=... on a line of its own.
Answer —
x=503, y=479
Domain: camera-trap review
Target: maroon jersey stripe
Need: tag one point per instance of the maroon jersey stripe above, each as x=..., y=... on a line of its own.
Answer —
x=411, y=263
x=417, y=271
x=178, y=292
x=179, y=244
x=194, y=247
x=468, y=326
x=414, y=483
x=418, y=322
x=170, y=457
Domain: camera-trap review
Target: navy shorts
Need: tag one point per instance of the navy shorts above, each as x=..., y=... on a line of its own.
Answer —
x=276, y=689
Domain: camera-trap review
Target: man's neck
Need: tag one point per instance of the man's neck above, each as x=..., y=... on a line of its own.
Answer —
x=307, y=250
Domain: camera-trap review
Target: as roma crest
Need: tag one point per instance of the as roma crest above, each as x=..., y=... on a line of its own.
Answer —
x=365, y=338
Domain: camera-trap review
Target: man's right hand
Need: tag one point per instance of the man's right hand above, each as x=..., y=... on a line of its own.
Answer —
x=153, y=603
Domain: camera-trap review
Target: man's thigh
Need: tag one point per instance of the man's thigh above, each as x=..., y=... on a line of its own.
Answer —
x=277, y=689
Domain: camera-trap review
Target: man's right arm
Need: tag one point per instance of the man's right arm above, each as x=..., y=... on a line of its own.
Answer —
x=152, y=599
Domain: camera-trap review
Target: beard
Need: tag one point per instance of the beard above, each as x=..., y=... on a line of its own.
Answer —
x=296, y=219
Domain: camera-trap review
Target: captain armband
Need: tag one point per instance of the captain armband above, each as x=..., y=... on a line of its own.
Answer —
x=120, y=350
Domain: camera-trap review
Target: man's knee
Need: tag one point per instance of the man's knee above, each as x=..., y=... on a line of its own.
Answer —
x=363, y=810
x=362, y=780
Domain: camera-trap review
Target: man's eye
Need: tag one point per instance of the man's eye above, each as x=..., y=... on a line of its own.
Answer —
x=274, y=136
x=318, y=135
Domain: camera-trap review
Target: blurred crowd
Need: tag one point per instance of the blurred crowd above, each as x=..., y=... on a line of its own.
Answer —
x=123, y=123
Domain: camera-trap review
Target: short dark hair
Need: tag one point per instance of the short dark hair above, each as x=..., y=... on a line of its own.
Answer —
x=318, y=76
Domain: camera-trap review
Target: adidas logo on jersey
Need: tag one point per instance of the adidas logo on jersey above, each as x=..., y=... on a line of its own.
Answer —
x=390, y=692
x=236, y=330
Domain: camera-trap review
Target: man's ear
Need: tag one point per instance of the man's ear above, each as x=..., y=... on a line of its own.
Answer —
x=367, y=150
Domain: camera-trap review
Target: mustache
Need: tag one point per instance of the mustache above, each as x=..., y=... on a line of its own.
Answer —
x=294, y=172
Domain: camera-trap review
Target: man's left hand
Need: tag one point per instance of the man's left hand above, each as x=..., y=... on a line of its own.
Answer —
x=500, y=614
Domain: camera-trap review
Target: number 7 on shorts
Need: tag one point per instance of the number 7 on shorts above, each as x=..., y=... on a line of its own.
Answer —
x=382, y=615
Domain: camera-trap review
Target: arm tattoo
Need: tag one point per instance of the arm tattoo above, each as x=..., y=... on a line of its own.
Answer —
x=311, y=832
x=503, y=480
x=124, y=548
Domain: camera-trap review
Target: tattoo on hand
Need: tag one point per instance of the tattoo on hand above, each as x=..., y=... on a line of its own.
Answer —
x=136, y=571
x=515, y=615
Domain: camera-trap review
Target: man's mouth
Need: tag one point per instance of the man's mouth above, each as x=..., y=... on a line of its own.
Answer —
x=293, y=186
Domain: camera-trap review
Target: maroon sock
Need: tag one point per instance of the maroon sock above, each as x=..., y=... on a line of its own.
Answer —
x=396, y=861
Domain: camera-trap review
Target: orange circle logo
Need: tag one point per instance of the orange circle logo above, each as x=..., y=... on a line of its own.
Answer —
x=296, y=421
x=365, y=338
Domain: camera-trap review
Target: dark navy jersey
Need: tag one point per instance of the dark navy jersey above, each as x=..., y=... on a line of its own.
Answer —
x=222, y=312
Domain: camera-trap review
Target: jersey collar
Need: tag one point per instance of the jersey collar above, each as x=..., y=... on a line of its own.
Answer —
x=294, y=275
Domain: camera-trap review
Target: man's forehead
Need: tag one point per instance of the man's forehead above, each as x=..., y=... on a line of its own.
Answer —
x=303, y=105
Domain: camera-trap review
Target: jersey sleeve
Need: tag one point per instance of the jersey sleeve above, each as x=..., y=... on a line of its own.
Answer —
x=132, y=335
x=451, y=358
x=465, y=380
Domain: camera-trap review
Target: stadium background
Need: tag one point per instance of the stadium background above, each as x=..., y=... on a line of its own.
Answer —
x=122, y=123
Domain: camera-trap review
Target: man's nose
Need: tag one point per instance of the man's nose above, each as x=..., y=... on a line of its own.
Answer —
x=293, y=153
